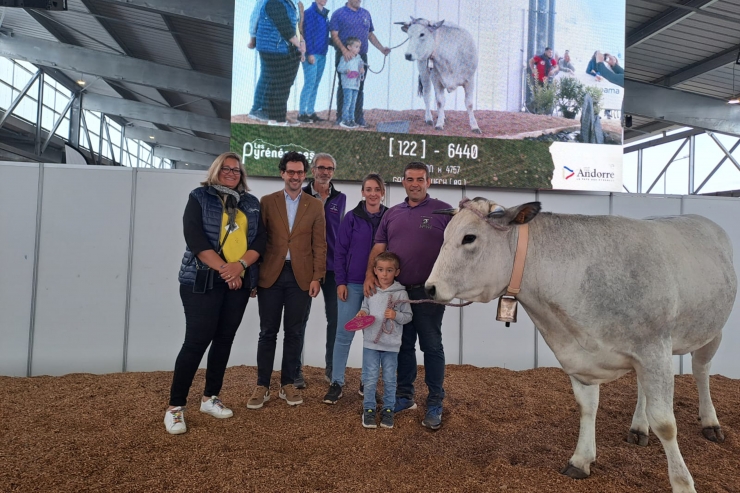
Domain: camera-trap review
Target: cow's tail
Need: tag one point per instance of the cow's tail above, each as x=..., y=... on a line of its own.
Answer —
x=421, y=87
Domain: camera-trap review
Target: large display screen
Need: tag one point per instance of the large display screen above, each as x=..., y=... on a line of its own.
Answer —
x=498, y=93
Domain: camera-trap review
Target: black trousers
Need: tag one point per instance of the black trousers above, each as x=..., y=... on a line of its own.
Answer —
x=279, y=72
x=211, y=318
x=286, y=300
x=359, y=114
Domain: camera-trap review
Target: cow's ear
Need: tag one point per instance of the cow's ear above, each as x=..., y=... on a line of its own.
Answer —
x=437, y=25
x=524, y=213
x=404, y=26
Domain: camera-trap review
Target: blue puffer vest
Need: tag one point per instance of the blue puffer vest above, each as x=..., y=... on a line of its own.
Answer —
x=212, y=219
x=269, y=39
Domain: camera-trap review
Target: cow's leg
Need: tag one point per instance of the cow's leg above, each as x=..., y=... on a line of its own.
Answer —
x=656, y=377
x=425, y=81
x=439, y=92
x=469, y=94
x=639, y=430
x=701, y=361
x=587, y=397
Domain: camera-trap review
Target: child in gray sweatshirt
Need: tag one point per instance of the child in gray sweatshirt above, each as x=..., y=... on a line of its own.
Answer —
x=382, y=340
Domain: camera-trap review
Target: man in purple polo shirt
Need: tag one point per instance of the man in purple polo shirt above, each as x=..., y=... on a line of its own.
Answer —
x=412, y=231
x=356, y=22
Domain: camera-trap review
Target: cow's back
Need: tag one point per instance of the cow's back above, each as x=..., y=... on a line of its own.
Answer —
x=621, y=279
x=457, y=57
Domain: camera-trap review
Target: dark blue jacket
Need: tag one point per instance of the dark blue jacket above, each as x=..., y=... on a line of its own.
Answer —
x=212, y=217
x=269, y=37
x=354, y=242
x=316, y=30
x=334, y=209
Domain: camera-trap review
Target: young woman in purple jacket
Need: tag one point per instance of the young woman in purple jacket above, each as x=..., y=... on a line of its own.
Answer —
x=354, y=241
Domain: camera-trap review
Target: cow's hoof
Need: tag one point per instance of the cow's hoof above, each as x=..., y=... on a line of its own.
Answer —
x=573, y=472
x=429, y=122
x=477, y=131
x=713, y=434
x=638, y=438
x=439, y=128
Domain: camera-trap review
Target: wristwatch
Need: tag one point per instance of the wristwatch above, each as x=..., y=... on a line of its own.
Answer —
x=244, y=264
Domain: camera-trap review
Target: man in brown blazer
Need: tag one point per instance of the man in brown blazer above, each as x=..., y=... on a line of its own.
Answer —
x=291, y=272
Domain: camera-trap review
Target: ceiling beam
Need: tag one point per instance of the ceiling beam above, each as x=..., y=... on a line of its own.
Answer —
x=663, y=140
x=133, y=110
x=183, y=156
x=215, y=11
x=681, y=107
x=663, y=21
x=187, y=142
x=116, y=67
x=699, y=68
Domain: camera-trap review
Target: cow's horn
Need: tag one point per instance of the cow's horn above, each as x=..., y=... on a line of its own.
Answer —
x=446, y=212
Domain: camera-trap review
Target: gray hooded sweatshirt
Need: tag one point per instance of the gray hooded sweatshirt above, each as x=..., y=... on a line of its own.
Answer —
x=376, y=306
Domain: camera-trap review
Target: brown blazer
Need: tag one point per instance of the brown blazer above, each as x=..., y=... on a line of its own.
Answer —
x=307, y=241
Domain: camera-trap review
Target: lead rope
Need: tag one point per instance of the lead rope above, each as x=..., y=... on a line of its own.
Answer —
x=384, y=57
x=388, y=325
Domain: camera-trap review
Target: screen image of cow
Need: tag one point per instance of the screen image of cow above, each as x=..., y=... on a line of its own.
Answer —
x=356, y=74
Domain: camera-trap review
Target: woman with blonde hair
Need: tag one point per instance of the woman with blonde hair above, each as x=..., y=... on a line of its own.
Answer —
x=225, y=238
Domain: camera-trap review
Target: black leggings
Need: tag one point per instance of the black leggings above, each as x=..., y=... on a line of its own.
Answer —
x=280, y=72
x=210, y=318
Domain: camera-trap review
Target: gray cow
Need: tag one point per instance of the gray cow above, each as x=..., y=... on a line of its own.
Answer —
x=446, y=57
x=609, y=295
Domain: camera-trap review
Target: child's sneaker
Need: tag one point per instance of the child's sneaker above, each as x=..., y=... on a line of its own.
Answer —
x=386, y=418
x=344, y=124
x=174, y=421
x=368, y=418
x=215, y=408
x=362, y=390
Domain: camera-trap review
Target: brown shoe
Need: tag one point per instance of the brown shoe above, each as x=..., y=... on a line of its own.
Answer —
x=291, y=395
x=259, y=397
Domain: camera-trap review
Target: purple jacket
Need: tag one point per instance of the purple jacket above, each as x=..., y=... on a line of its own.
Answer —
x=333, y=212
x=353, y=245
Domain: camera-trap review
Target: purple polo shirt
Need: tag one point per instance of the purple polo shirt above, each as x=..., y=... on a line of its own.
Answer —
x=415, y=234
x=348, y=22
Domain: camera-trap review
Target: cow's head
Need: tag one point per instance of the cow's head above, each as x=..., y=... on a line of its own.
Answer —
x=477, y=255
x=421, y=38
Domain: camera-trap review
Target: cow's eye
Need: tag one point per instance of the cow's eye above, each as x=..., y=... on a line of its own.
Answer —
x=421, y=35
x=468, y=239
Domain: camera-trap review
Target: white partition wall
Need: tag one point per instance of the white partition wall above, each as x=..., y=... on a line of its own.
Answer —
x=18, y=201
x=82, y=270
x=108, y=246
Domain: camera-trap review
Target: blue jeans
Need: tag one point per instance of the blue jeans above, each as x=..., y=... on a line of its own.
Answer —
x=350, y=99
x=311, y=79
x=372, y=360
x=329, y=290
x=346, y=311
x=427, y=324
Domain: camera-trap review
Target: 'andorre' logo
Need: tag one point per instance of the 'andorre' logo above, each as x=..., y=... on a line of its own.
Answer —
x=259, y=149
x=567, y=172
x=587, y=174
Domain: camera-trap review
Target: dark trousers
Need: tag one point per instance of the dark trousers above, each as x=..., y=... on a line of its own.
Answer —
x=279, y=72
x=210, y=318
x=285, y=293
x=329, y=291
x=359, y=114
x=427, y=324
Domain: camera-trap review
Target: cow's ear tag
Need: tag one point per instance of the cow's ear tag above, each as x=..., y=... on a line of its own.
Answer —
x=506, y=311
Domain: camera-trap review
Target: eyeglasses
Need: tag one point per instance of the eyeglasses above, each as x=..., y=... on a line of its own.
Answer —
x=293, y=173
x=324, y=168
x=234, y=171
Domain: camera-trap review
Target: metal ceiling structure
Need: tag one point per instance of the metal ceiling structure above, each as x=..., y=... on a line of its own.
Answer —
x=163, y=67
x=688, y=45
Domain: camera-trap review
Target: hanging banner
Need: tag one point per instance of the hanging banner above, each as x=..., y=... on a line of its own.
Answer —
x=511, y=93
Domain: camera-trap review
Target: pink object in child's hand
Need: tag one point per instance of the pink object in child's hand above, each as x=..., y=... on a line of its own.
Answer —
x=359, y=323
x=353, y=74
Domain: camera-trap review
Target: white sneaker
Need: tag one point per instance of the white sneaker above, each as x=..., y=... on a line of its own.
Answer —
x=215, y=408
x=174, y=421
x=286, y=123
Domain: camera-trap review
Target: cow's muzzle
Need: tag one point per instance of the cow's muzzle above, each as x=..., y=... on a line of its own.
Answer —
x=431, y=291
x=408, y=57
